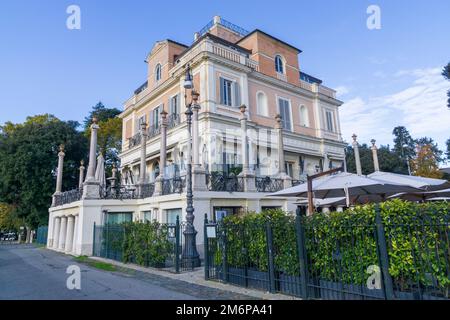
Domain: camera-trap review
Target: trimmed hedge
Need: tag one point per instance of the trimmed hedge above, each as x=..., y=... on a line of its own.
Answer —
x=341, y=246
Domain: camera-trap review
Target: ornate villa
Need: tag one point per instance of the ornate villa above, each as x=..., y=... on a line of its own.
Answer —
x=259, y=124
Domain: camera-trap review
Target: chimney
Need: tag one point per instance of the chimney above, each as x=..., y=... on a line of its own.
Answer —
x=357, y=159
x=374, y=148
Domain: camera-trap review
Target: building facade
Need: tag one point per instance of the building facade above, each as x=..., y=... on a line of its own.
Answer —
x=259, y=125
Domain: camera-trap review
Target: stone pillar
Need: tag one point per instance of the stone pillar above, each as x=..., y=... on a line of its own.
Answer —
x=198, y=172
x=247, y=175
x=69, y=234
x=143, y=161
x=357, y=159
x=114, y=176
x=75, y=234
x=59, y=174
x=56, y=228
x=374, y=148
x=163, y=152
x=81, y=178
x=287, y=180
x=91, y=187
x=62, y=233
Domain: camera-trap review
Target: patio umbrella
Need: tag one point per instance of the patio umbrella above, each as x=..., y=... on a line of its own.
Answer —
x=100, y=174
x=427, y=184
x=342, y=201
x=345, y=184
x=422, y=196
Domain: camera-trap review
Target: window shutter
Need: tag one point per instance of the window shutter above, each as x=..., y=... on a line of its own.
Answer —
x=222, y=93
x=237, y=94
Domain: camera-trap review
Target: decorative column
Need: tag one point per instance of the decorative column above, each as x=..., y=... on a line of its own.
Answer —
x=75, y=234
x=374, y=148
x=59, y=174
x=357, y=159
x=62, y=233
x=143, y=162
x=287, y=180
x=199, y=177
x=114, y=176
x=91, y=187
x=247, y=175
x=81, y=178
x=56, y=228
x=69, y=234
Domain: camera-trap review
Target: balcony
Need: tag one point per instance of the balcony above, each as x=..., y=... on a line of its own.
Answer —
x=174, y=185
x=219, y=181
x=68, y=197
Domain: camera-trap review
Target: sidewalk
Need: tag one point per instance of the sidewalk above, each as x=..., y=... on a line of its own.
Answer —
x=198, y=277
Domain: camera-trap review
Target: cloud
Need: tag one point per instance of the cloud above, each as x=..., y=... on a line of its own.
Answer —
x=342, y=91
x=420, y=107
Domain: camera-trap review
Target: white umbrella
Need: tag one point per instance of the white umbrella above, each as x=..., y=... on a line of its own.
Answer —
x=427, y=184
x=100, y=174
x=342, y=201
x=422, y=196
x=345, y=184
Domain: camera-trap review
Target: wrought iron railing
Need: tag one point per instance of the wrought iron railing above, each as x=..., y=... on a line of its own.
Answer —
x=174, y=185
x=68, y=197
x=268, y=184
x=173, y=120
x=219, y=181
x=297, y=182
x=134, y=140
x=123, y=192
x=154, y=130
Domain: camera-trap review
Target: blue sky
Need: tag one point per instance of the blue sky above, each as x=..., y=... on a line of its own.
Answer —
x=386, y=77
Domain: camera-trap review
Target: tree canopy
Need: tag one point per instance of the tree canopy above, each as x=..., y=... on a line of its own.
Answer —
x=446, y=74
x=28, y=162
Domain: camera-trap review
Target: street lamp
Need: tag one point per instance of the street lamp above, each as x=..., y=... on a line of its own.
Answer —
x=189, y=257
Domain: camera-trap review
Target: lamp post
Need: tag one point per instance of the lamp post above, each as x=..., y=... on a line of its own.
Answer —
x=189, y=257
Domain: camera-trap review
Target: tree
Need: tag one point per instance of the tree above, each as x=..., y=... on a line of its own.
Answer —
x=403, y=143
x=8, y=221
x=425, y=164
x=447, y=153
x=424, y=141
x=109, y=134
x=28, y=162
x=446, y=74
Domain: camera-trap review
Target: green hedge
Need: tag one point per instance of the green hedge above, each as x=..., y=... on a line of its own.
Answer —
x=342, y=245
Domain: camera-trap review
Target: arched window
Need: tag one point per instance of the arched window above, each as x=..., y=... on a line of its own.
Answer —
x=279, y=65
x=304, y=117
x=261, y=104
x=158, y=72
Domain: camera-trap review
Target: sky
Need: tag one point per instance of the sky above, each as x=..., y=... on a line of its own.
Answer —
x=386, y=77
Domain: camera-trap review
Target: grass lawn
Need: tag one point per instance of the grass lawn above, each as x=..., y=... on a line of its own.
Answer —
x=96, y=264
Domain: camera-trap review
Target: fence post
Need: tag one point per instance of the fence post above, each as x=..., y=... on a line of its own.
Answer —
x=93, y=241
x=177, y=245
x=224, y=256
x=301, y=254
x=384, y=257
x=206, y=248
x=269, y=238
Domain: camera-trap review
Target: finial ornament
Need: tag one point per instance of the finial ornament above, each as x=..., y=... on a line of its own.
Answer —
x=82, y=163
x=354, y=136
x=195, y=96
x=243, y=107
x=61, y=147
x=95, y=120
x=373, y=142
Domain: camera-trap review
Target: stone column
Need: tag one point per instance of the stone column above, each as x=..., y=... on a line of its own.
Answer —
x=91, y=187
x=56, y=229
x=59, y=174
x=357, y=159
x=198, y=172
x=143, y=162
x=62, y=233
x=247, y=175
x=114, y=176
x=287, y=180
x=81, y=178
x=163, y=152
x=374, y=148
x=69, y=234
x=75, y=234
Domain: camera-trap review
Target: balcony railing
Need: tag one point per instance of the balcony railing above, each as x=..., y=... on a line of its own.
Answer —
x=68, y=197
x=174, y=185
x=124, y=192
x=173, y=120
x=134, y=140
x=268, y=184
x=218, y=181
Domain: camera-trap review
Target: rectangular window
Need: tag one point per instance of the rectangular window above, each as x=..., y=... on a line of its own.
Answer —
x=289, y=169
x=285, y=113
x=118, y=217
x=330, y=122
x=171, y=215
x=222, y=212
x=174, y=107
x=155, y=117
x=147, y=216
x=140, y=121
x=225, y=92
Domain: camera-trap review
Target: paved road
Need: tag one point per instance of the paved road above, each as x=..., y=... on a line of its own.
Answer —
x=31, y=273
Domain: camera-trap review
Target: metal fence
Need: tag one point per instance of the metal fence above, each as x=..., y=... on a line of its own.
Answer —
x=149, y=244
x=366, y=261
x=67, y=197
x=41, y=235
